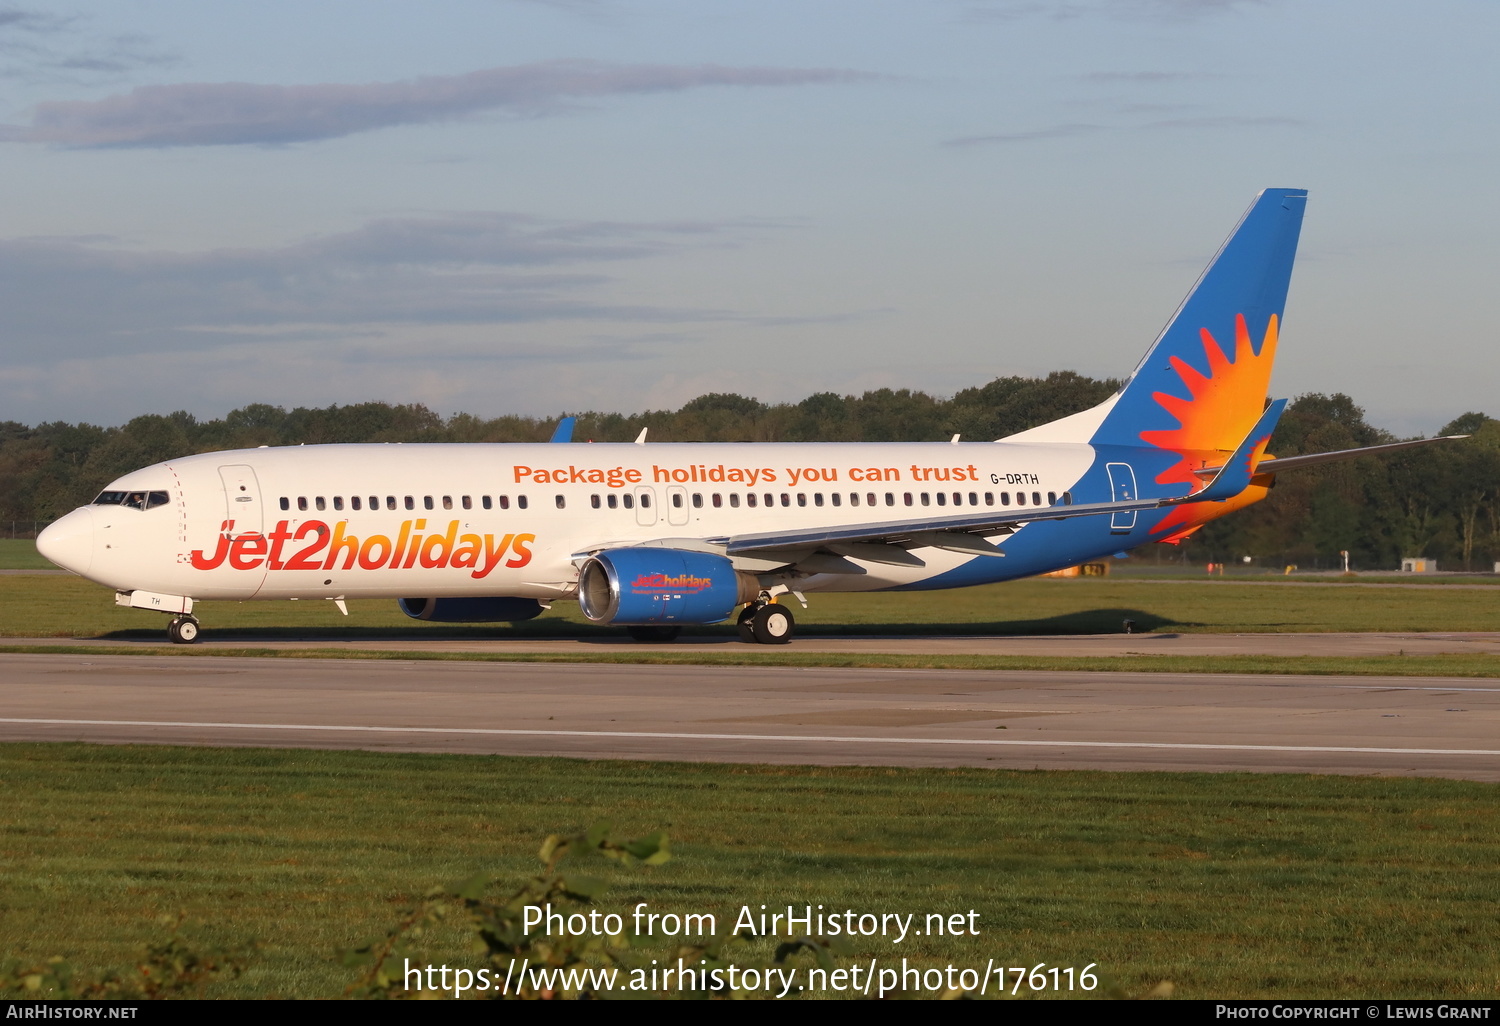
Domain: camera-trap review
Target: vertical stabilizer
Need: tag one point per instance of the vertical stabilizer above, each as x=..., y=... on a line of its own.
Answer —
x=1204, y=383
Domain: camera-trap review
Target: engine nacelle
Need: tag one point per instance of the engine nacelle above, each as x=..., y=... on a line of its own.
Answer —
x=481, y=609
x=661, y=586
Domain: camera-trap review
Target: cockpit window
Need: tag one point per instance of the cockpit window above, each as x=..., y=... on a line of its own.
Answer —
x=135, y=500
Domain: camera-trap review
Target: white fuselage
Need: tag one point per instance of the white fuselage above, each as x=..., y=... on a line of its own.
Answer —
x=325, y=521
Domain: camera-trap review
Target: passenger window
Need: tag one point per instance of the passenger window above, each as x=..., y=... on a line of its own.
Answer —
x=594, y=501
x=286, y=503
x=989, y=498
x=837, y=499
x=302, y=502
x=627, y=501
x=676, y=500
x=505, y=502
x=907, y=496
x=1036, y=498
x=817, y=498
x=786, y=498
x=697, y=500
x=520, y=502
x=447, y=502
x=374, y=502
x=718, y=500
x=926, y=500
x=734, y=500
x=1005, y=498
x=941, y=498
x=854, y=498
x=426, y=502
x=870, y=499
x=468, y=502
x=390, y=502
x=1020, y=498
x=890, y=499
x=338, y=502
x=802, y=498
x=645, y=500
x=319, y=503
x=354, y=502
x=410, y=502
x=973, y=499
x=1067, y=498
x=958, y=498
x=1052, y=498
x=562, y=502
x=485, y=501
x=614, y=501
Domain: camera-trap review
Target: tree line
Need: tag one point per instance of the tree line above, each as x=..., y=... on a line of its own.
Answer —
x=1441, y=502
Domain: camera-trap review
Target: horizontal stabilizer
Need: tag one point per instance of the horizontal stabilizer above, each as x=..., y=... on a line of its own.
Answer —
x=1273, y=466
x=1234, y=477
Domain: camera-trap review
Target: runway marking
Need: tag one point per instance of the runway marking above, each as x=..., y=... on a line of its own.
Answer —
x=665, y=735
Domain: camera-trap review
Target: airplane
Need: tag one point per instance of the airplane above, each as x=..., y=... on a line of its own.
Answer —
x=652, y=537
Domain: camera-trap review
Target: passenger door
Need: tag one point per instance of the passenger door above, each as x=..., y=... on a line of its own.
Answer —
x=645, y=506
x=241, y=499
x=677, y=505
x=1122, y=489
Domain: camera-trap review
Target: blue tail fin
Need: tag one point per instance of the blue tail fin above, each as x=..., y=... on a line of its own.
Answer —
x=1203, y=384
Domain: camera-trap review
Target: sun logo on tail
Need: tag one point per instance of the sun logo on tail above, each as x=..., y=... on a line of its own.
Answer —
x=1221, y=408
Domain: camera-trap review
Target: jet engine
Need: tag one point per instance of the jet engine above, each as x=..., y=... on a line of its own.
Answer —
x=648, y=585
x=481, y=609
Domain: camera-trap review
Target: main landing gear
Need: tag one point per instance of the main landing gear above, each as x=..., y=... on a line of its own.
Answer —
x=766, y=623
x=183, y=630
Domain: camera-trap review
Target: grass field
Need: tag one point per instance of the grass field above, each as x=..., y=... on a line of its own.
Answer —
x=21, y=554
x=1227, y=885
x=66, y=606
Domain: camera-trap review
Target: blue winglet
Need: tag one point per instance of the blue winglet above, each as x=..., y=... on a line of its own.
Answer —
x=1235, y=475
x=564, y=432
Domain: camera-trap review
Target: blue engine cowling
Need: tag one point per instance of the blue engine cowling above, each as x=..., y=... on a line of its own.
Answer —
x=661, y=586
x=481, y=609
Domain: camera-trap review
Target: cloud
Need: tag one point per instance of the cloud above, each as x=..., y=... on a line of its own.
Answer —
x=1063, y=10
x=85, y=297
x=236, y=113
x=42, y=46
x=1145, y=77
x=1227, y=121
x=1054, y=132
x=1071, y=130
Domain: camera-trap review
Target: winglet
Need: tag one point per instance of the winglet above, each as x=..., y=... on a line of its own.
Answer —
x=564, y=430
x=1236, y=473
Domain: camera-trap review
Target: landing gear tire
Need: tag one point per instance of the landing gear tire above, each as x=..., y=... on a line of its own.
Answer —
x=772, y=625
x=746, y=625
x=183, y=630
x=650, y=632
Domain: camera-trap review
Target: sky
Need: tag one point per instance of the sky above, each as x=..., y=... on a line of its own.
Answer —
x=548, y=206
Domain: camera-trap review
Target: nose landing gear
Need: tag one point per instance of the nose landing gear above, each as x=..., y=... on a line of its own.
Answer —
x=183, y=630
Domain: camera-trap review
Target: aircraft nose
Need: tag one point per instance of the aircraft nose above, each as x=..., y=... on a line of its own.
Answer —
x=69, y=542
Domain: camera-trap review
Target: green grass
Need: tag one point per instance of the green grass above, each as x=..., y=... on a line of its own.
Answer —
x=1446, y=665
x=71, y=607
x=21, y=554
x=1229, y=885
